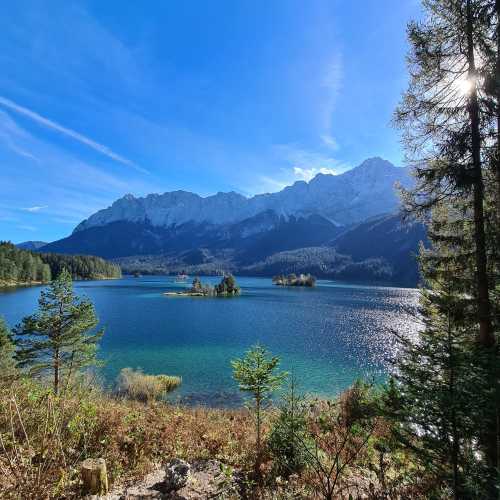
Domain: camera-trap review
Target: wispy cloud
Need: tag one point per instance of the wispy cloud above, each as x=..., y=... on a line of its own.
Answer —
x=100, y=148
x=305, y=159
x=330, y=141
x=36, y=208
x=268, y=184
x=332, y=82
x=27, y=228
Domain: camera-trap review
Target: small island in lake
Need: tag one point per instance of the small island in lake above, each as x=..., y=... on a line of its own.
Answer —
x=226, y=288
x=294, y=280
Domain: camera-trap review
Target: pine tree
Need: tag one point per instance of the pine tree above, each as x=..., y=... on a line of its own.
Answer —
x=58, y=338
x=438, y=399
x=447, y=132
x=257, y=374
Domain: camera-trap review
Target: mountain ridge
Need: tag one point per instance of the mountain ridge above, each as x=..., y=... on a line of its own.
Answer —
x=181, y=230
x=352, y=196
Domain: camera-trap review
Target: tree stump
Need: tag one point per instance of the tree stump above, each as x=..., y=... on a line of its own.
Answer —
x=94, y=476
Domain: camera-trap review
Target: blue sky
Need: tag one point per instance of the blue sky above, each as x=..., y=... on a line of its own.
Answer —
x=103, y=98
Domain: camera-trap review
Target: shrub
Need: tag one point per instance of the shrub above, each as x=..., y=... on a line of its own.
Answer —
x=135, y=384
x=288, y=439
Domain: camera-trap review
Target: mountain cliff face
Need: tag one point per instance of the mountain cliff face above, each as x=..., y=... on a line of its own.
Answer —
x=181, y=230
x=31, y=245
x=343, y=199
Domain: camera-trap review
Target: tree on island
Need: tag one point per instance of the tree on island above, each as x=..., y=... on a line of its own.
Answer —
x=293, y=280
x=227, y=286
x=57, y=339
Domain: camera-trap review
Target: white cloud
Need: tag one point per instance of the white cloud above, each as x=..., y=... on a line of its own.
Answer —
x=305, y=159
x=330, y=141
x=27, y=228
x=100, y=148
x=36, y=208
x=303, y=164
x=307, y=174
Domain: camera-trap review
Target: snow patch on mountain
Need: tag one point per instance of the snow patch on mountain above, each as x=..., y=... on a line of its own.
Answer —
x=364, y=191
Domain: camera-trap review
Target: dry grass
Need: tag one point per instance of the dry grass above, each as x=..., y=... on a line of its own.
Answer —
x=135, y=384
x=44, y=438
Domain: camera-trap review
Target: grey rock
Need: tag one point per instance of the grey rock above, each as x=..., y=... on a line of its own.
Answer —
x=177, y=473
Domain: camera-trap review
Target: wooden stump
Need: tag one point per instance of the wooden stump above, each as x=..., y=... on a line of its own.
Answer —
x=94, y=476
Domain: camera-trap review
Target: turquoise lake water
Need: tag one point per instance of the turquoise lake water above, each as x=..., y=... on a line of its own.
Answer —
x=326, y=336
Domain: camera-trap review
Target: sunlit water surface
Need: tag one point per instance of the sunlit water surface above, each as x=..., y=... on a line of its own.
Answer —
x=327, y=336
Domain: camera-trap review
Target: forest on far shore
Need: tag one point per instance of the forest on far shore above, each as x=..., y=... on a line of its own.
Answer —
x=19, y=266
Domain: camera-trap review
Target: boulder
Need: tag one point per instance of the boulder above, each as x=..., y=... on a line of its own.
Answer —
x=177, y=474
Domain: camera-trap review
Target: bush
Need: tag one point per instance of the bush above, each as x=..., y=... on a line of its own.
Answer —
x=135, y=384
x=288, y=439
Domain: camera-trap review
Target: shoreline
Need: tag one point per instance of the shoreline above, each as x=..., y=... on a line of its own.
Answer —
x=24, y=284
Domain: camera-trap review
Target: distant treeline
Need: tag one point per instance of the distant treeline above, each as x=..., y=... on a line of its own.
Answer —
x=19, y=266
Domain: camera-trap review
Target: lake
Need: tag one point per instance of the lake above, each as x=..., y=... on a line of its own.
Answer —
x=326, y=336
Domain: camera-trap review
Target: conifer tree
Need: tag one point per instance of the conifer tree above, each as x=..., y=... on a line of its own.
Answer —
x=58, y=339
x=438, y=399
x=257, y=374
x=447, y=123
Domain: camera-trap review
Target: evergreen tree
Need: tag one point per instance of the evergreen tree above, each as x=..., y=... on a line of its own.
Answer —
x=438, y=399
x=57, y=339
x=288, y=439
x=257, y=374
x=447, y=123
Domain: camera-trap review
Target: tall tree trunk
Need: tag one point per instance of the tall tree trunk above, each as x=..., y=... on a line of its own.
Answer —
x=454, y=427
x=497, y=90
x=486, y=336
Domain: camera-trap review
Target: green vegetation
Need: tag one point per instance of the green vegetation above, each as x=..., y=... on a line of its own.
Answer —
x=81, y=267
x=23, y=267
x=226, y=288
x=7, y=363
x=432, y=433
x=294, y=280
x=58, y=340
x=135, y=384
x=257, y=374
x=289, y=442
x=446, y=393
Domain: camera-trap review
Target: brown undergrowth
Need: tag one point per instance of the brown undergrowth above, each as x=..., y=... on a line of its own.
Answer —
x=43, y=438
x=345, y=448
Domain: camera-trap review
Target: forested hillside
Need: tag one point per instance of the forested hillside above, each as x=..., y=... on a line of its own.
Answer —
x=19, y=266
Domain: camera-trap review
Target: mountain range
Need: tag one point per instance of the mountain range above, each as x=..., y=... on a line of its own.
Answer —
x=342, y=226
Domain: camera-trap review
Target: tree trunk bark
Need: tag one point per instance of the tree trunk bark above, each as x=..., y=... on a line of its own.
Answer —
x=486, y=336
x=94, y=477
x=497, y=88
